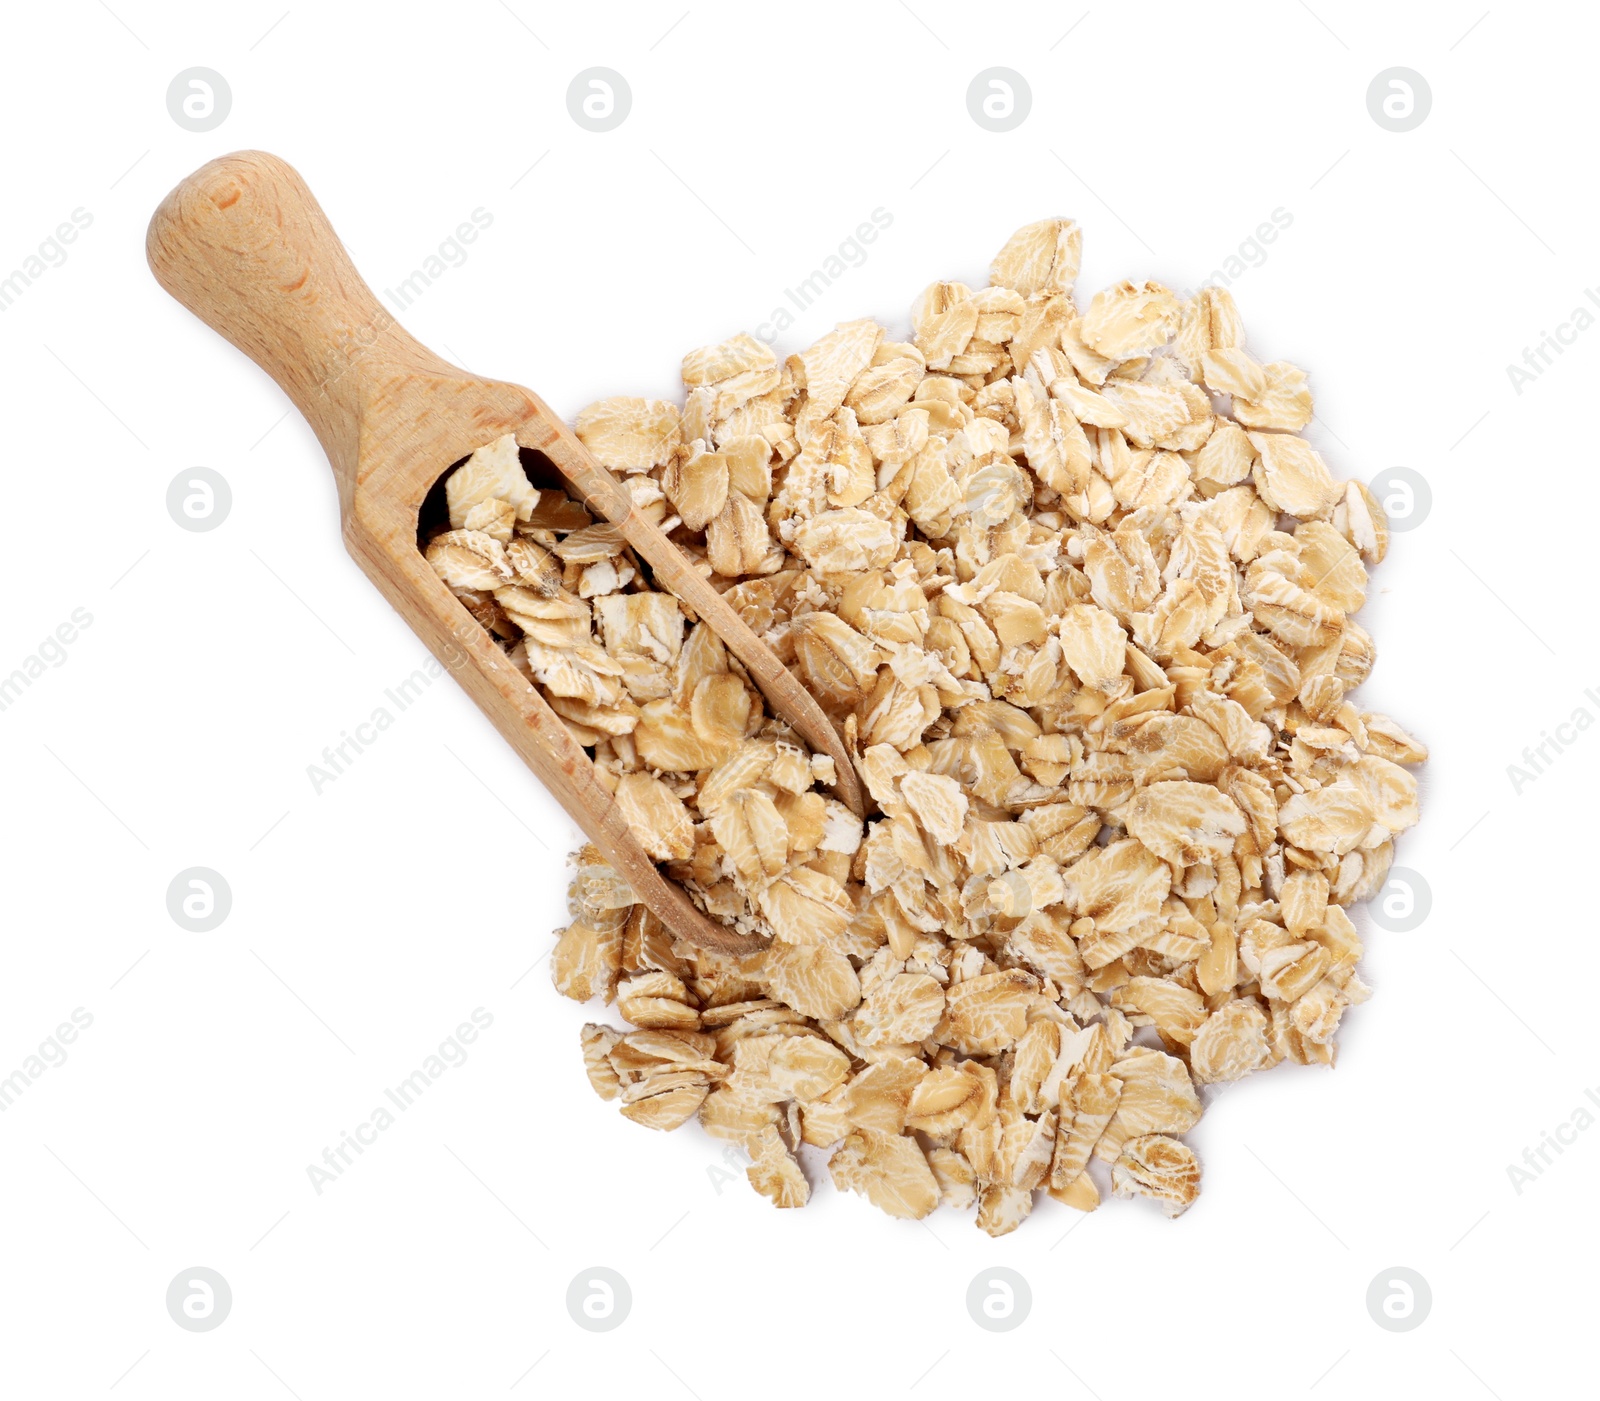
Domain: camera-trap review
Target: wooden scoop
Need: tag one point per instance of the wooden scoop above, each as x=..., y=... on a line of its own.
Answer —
x=244, y=246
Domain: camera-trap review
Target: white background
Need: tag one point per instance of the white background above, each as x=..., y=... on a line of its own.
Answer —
x=369, y=920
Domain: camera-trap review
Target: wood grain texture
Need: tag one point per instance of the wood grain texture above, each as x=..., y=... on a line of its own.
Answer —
x=244, y=245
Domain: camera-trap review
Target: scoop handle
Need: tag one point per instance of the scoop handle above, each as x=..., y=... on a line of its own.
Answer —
x=245, y=246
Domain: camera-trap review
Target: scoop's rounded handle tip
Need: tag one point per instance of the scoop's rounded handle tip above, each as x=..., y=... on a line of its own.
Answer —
x=219, y=184
x=244, y=245
x=223, y=239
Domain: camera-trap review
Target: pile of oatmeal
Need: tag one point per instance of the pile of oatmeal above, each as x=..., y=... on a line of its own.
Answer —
x=1081, y=602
